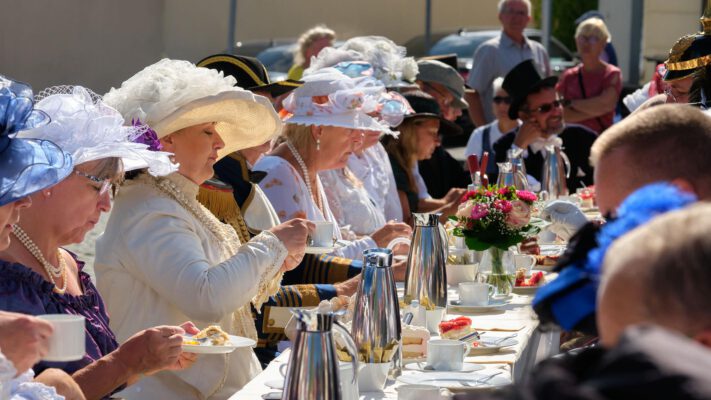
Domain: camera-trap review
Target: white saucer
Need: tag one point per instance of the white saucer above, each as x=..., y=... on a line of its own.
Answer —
x=493, y=305
x=488, y=349
x=325, y=250
x=423, y=367
x=207, y=348
x=526, y=289
x=456, y=379
x=277, y=384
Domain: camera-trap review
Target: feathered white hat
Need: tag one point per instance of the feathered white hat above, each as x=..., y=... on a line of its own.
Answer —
x=172, y=94
x=328, y=97
x=389, y=61
x=83, y=126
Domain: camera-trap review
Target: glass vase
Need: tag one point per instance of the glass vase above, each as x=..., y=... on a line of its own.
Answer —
x=501, y=276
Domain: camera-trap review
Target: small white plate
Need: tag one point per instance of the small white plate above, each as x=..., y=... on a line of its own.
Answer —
x=277, y=384
x=456, y=379
x=552, y=249
x=527, y=290
x=493, y=305
x=207, y=348
x=422, y=366
x=325, y=250
x=488, y=349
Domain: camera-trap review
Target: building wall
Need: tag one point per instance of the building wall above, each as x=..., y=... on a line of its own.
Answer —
x=100, y=43
x=94, y=43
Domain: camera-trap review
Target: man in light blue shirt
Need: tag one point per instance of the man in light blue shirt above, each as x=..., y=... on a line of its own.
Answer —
x=497, y=56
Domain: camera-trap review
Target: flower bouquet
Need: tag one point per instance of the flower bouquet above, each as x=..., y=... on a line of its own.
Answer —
x=495, y=218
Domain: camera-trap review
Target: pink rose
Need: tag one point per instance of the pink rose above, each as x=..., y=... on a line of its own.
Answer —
x=520, y=214
x=465, y=209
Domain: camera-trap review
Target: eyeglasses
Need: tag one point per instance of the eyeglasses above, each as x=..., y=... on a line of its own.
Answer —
x=589, y=39
x=548, y=107
x=105, y=184
x=502, y=99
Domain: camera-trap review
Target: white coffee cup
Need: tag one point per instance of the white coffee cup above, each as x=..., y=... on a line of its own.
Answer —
x=68, y=340
x=322, y=235
x=447, y=354
x=372, y=376
x=433, y=318
x=475, y=293
x=349, y=389
x=418, y=392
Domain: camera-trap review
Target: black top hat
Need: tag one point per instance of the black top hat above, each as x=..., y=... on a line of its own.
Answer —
x=523, y=80
x=425, y=106
x=249, y=72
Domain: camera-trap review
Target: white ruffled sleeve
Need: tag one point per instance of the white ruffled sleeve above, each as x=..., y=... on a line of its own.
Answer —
x=22, y=387
x=175, y=265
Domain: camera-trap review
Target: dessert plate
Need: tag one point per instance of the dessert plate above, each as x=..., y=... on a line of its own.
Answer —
x=456, y=379
x=423, y=367
x=207, y=348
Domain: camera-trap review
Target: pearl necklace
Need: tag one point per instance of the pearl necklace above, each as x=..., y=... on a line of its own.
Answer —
x=305, y=172
x=199, y=211
x=52, y=271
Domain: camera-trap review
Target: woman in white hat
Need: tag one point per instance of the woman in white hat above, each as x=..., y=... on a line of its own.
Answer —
x=163, y=256
x=40, y=277
x=328, y=115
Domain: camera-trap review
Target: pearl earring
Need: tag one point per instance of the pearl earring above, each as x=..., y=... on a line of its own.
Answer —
x=318, y=144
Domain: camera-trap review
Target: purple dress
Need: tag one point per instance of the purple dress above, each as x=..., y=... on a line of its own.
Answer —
x=25, y=291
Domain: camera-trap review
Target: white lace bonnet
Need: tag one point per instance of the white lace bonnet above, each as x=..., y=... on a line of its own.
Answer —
x=331, y=98
x=173, y=94
x=83, y=126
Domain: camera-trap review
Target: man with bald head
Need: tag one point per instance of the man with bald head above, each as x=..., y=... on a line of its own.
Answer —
x=665, y=143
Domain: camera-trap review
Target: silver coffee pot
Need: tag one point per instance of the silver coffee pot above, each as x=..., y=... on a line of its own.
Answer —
x=376, y=326
x=556, y=170
x=426, y=275
x=512, y=174
x=313, y=372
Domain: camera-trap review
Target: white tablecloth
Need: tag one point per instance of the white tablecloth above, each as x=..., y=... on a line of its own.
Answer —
x=533, y=346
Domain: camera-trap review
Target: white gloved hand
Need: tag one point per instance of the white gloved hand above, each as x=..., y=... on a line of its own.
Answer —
x=565, y=217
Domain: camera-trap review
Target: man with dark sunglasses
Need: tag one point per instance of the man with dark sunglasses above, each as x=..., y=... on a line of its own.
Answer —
x=535, y=102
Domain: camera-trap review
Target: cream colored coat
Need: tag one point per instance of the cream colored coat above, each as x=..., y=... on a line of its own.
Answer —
x=157, y=264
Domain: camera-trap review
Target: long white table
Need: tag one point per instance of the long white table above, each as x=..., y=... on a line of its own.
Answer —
x=533, y=346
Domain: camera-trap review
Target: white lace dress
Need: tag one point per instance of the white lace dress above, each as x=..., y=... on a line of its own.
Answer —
x=22, y=387
x=374, y=170
x=350, y=203
x=287, y=192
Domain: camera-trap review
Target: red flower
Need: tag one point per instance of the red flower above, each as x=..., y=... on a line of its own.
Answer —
x=503, y=205
x=479, y=211
x=504, y=191
x=526, y=196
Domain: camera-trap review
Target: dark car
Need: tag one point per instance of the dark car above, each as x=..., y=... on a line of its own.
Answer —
x=464, y=43
x=279, y=59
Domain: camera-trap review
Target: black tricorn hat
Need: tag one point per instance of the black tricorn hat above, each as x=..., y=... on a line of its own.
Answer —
x=249, y=72
x=425, y=106
x=523, y=80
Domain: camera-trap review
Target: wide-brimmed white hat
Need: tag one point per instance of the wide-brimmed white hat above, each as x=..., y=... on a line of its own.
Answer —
x=172, y=94
x=331, y=98
x=389, y=61
x=83, y=126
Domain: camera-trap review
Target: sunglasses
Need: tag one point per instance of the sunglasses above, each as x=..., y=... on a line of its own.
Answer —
x=548, y=107
x=103, y=186
x=502, y=99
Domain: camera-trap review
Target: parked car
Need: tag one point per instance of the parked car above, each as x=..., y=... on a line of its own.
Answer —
x=464, y=43
x=279, y=59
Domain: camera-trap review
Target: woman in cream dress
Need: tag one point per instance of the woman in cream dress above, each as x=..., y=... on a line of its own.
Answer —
x=163, y=256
